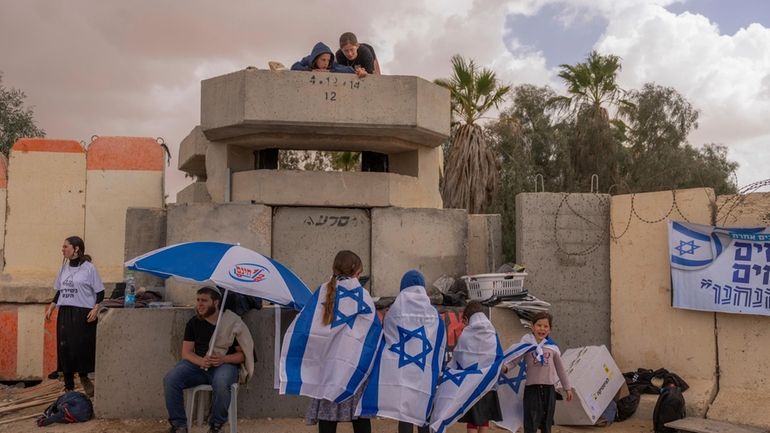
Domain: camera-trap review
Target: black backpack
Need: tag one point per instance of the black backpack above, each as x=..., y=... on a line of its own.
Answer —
x=71, y=407
x=627, y=406
x=669, y=407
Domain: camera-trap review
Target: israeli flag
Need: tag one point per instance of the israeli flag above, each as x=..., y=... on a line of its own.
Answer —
x=408, y=368
x=692, y=246
x=332, y=361
x=472, y=372
x=510, y=385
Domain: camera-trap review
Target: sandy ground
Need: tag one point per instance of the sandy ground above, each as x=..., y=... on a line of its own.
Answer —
x=282, y=425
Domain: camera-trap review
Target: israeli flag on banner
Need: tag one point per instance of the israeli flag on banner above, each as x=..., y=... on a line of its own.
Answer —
x=472, y=372
x=510, y=385
x=692, y=246
x=331, y=361
x=408, y=368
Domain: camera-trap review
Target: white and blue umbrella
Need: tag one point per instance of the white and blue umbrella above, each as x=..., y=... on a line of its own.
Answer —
x=227, y=266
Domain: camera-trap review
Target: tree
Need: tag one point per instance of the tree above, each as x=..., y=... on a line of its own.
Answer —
x=596, y=144
x=470, y=173
x=16, y=120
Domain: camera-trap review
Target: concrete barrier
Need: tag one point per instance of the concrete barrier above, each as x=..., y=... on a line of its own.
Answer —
x=27, y=342
x=568, y=261
x=744, y=365
x=485, y=243
x=306, y=239
x=261, y=109
x=136, y=347
x=195, y=192
x=192, y=153
x=145, y=231
x=43, y=210
x=646, y=331
x=122, y=172
x=432, y=241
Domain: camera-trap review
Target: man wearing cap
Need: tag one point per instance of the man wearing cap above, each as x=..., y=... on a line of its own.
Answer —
x=231, y=356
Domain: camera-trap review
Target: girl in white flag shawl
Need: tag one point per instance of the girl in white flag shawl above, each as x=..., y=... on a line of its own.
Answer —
x=540, y=366
x=410, y=358
x=470, y=375
x=330, y=347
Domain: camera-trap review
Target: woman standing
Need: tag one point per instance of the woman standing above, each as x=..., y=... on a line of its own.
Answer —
x=79, y=290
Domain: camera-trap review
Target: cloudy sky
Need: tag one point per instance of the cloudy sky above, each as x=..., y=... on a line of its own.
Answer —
x=134, y=68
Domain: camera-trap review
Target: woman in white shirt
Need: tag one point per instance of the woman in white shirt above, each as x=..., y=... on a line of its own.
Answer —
x=79, y=290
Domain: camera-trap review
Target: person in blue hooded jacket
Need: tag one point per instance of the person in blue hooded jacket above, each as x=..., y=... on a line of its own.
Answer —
x=321, y=59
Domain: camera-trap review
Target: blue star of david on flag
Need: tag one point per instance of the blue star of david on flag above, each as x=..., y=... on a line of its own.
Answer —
x=404, y=358
x=357, y=295
x=686, y=247
x=515, y=382
x=459, y=377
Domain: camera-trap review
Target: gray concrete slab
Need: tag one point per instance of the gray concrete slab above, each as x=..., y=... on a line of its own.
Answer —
x=195, y=192
x=243, y=223
x=293, y=109
x=145, y=231
x=432, y=241
x=306, y=239
x=222, y=160
x=575, y=279
x=485, y=243
x=192, y=153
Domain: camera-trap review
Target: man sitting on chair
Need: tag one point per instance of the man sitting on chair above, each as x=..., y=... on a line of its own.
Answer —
x=232, y=356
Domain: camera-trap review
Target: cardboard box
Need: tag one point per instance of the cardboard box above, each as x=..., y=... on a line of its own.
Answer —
x=595, y=379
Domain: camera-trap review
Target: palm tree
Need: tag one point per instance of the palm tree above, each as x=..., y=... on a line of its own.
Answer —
x=471, y=170
x=596, y=147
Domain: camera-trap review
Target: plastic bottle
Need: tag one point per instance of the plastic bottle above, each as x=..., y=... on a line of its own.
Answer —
x=129, y=298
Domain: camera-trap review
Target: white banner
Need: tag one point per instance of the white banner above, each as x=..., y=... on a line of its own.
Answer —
x=720, y=269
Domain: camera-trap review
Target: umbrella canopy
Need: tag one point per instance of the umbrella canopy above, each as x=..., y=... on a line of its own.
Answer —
x=231, y=267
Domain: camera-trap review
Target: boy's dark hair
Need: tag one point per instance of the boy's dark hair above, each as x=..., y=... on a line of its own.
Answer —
x=542, y=315
x=212, y=292
x=472, y=308
x=348, y=38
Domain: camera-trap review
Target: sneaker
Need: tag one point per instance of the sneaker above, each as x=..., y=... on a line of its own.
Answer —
x=215, y=428
x=88, y=386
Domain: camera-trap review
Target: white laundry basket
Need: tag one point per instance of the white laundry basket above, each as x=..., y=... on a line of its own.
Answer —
x=486, y=286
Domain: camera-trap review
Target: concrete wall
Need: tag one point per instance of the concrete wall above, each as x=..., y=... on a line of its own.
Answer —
x=243, y=223
x=432, y=241
x=135, y=349
x=338, y=189
x=575, y=279
x=145, y=231
x=3, y=204
x=195, y=192
x=292, y=109
x=192, y=153
x=222, y=161
x=646, y=331
x=744, y=365
x=485, y=243
x=306, y=239
x=43, y=210
x=122, y=172
x=27, y=342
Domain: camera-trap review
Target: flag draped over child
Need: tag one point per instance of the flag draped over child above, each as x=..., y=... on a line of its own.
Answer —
x=510, y=385
x=472, y=372
x=410, y=358
x=331, y=361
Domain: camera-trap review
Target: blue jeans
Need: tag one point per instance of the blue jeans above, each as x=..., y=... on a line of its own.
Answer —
x=185, y=374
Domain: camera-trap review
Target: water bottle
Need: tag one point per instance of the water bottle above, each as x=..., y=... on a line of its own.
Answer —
x=129, y=298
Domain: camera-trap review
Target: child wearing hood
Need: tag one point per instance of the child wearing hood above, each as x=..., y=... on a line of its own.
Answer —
x=321, y=59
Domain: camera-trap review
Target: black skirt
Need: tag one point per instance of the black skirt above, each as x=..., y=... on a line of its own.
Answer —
x=76, y=340
x=485, y=410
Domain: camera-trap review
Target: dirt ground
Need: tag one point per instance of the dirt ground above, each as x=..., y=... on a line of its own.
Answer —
x=282, y=425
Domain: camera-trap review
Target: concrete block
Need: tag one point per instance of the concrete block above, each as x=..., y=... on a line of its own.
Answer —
x=222, y=160
x=682, y=341
x=745, y=210
x=432, y=241
x=3, y=205
x=148, y=342
x=243, y=223
x=27, y=342
x=261, y=109
x=122, y=172
x=508, y=326
x=145, y=231
x=306, y=239
x=43, y=210
x=575, y=279
x=338, y=189
x=485, y=243
x=195, y=192
x=192, y=153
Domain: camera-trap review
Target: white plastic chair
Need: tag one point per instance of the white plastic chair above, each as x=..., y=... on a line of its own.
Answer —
x=189, y=406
